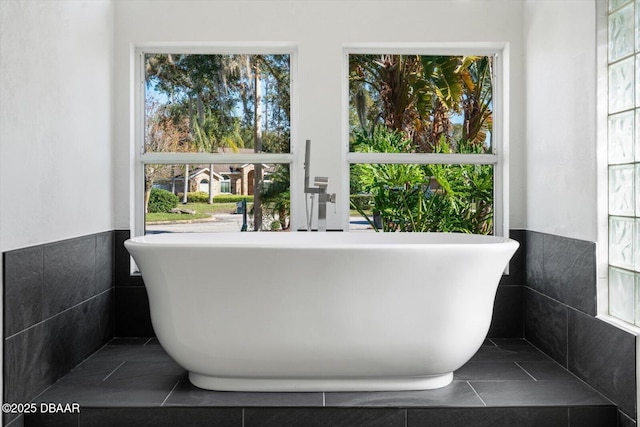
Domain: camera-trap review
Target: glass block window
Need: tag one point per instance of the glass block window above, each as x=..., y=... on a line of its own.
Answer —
x=623, y=148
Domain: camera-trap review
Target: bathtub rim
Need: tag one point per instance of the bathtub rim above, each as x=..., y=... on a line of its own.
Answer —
x=314, y=240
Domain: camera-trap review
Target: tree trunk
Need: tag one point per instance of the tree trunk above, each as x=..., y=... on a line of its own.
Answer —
x=257, y=148
x=147, y=196
x=186, y=184
x=210, y=184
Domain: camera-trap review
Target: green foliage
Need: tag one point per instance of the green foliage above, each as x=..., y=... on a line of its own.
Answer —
x=162, y=201
x=466, y=200
x=419, y=198
x=381, y=140
x=214, y=95
x=231, y=198
x=203, y=197
x=362, y=202
x=395, y=190
x=442, y=77
x=424, y=97
x=276, y=198
x=433, y=104
x=197, y=197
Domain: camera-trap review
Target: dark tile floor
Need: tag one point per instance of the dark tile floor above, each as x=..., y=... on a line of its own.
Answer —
x=508, y=382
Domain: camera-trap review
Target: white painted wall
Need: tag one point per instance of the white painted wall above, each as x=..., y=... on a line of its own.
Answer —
x=560, y=65
x=58, y=117
x=319, y=28
x=56, y=126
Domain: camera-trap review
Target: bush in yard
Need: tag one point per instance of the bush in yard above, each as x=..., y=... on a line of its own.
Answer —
x=231, y=198
x=197, y=197
x=162, y=201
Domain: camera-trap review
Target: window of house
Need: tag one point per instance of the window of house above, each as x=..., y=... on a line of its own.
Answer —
x=211, y=124
x=225, y=184
x=424, y=142
x=623, y=158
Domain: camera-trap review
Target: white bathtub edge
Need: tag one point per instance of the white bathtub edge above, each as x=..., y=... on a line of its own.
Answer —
x=320, y=384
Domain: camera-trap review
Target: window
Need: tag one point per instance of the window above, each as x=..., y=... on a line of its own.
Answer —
x=225, y=184
x=623, y=158
x=424, y=139
x=216, y=121
x=212, y=124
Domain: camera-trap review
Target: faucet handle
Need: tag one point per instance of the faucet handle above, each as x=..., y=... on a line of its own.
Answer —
x=321, y=181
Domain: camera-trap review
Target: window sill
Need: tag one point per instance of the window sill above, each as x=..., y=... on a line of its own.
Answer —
x=620, y=324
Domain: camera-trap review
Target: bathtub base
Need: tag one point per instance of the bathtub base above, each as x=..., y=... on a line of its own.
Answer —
x=320, y=384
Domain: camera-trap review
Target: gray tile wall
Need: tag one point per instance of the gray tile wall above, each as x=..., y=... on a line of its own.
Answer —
x=132, y=316
x=58, y=309
x=508, y=321
x=559, y=318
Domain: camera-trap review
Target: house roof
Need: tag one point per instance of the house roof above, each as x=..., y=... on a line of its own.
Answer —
x=220, y=169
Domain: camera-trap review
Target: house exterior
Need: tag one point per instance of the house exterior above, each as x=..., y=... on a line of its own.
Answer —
x=223, y=178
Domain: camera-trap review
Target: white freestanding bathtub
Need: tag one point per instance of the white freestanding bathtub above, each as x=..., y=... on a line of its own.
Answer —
x=321, y=311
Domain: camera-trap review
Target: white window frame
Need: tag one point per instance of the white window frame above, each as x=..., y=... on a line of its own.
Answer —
x=499, y=159
x=140, y=158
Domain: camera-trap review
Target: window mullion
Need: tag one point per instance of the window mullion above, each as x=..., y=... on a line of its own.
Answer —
x=214, y=158
x=423, y=158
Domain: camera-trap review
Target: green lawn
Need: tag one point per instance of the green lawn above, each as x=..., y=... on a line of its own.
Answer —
x=203, y=210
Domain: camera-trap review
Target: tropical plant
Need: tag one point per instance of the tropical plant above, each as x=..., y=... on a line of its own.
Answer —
x=420, y=95
x=469, y=192
x=410, y=197
x=276, y=197
x=396, y=189
x=477, y=100
x=389, y=79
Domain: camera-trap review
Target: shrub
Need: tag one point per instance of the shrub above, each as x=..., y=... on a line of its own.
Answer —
x=197, y=197
x=162, y=201
x=231, y=198
x=203, y=197
x=403, y=197
x=362, y=201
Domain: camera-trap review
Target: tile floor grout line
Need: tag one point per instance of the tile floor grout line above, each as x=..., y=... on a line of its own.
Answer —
x=527, y=372
x=44, y=391
x=168, y=395
x=91, y=355
x=474, y=390
x=21, y=416
x=569, y=371
x=112, y=372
